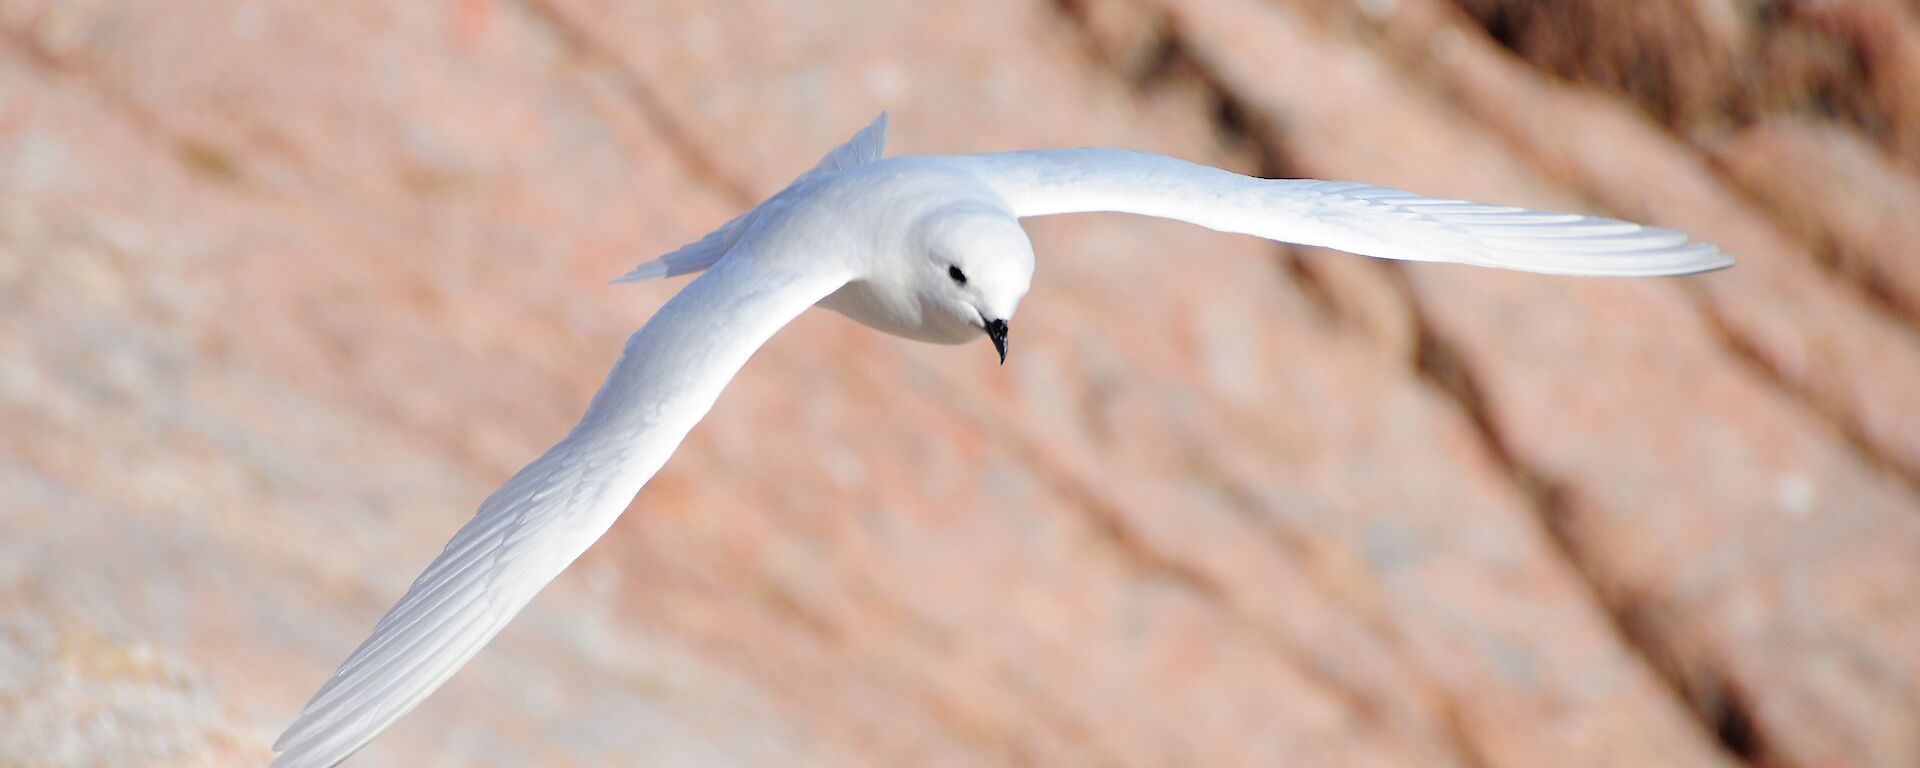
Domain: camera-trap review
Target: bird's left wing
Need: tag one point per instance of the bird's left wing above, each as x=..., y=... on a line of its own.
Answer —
x=551, y=511
x=1357, y=218
x=865, y=147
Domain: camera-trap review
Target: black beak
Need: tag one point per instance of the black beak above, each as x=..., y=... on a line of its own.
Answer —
x=997, y=331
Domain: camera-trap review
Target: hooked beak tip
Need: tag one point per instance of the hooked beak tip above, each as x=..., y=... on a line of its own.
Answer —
x=997, y=332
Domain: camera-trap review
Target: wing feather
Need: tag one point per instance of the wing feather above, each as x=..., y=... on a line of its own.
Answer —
x=865, y=147
x=1359, y=218
x=548, y=513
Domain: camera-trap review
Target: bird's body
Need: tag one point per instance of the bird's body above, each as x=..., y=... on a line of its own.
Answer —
x=886, y=209
x=927, y=248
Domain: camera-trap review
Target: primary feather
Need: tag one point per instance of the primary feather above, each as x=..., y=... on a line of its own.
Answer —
x=551, y=511
x=1357, y=218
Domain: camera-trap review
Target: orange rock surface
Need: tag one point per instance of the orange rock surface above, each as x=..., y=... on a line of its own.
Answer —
x=287, y=288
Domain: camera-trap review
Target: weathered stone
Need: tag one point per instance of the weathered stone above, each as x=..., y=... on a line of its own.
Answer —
x=286, y=289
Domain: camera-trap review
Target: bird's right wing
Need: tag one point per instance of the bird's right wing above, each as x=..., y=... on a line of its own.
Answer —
x=550, y=512
x=1357, y=218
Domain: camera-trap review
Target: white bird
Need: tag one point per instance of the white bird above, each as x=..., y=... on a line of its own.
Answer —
x=928, y=248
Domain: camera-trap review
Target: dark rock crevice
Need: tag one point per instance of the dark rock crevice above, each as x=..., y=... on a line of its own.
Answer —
x=1362, y=599
x=202, y=159
x=1051, y=715
x=1164, y=61
x=1826, y=403
x=1845, y=425
x=1710, y=77
x=1719, y=711
x=1151, y=56
x=930, y=642
x=1711, y=696
x=1861, y=266
x=1106, y=526
x=590, y=47
x=792, y=608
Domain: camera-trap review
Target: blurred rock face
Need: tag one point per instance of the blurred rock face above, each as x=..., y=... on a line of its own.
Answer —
x=286, y=288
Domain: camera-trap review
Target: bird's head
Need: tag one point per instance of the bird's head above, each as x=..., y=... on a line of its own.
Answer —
x=975, y=266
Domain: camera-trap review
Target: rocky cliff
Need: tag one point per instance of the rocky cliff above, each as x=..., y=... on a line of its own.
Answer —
x=286, y=288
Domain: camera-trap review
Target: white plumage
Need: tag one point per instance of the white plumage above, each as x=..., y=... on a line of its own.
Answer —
x=923, y=247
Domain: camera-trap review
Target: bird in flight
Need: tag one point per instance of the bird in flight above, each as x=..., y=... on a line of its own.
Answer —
x=925, y=247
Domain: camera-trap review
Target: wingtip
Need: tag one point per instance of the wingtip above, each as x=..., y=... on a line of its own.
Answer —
x=1703, y=258
x=652, y=270
x=1719, y=261
x=284, y=759
x=876, y=130
x=1713, y=260
x=1709, y=259
x=290, y=755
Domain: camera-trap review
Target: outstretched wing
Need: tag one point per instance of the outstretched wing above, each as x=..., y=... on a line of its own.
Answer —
x=865, y=147
x=1358, y=218
x=548, y=513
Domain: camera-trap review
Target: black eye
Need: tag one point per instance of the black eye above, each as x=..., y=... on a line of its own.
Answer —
x=957, y=275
